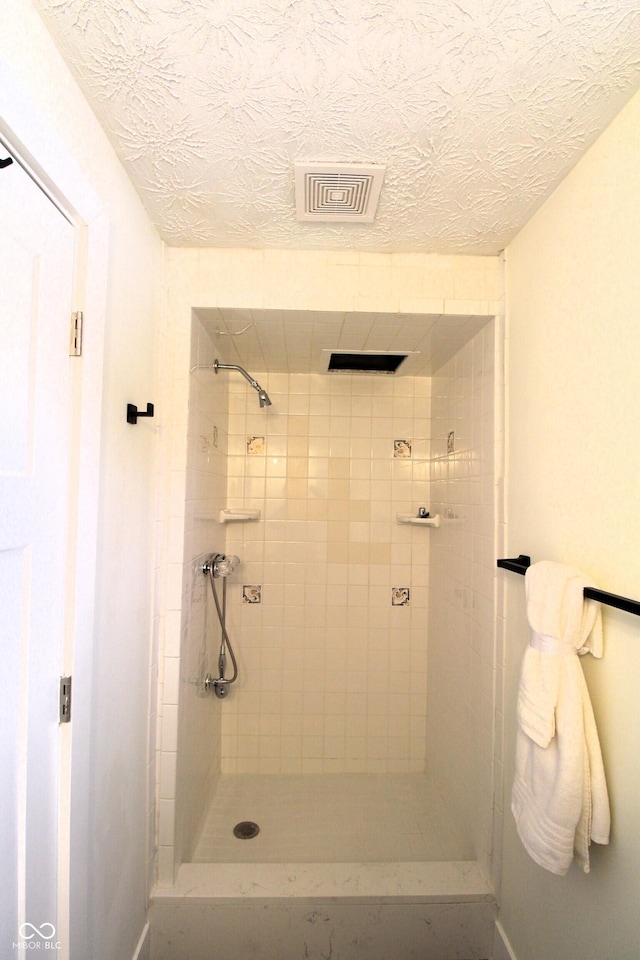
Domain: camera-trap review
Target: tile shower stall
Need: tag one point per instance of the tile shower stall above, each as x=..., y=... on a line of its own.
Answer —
x=363, y=733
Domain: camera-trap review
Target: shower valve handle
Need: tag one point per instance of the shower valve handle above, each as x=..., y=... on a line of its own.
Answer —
x=220, y=565
x=219, y=685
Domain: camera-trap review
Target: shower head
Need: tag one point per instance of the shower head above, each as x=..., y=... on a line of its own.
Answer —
x=263, y=396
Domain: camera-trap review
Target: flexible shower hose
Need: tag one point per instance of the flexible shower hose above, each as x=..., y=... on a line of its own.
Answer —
x=225, y=642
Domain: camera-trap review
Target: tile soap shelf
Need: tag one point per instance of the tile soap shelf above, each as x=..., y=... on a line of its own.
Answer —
x=418, y=521
x=235, y=516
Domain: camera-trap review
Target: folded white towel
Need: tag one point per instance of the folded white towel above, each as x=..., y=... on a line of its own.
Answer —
x=559, y=797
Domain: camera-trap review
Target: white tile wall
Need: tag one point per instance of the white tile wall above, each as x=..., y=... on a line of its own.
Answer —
x=333, y=676
x=188, y=775
x=462, y=687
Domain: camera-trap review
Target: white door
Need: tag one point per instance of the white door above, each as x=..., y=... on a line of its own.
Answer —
x=36, y=276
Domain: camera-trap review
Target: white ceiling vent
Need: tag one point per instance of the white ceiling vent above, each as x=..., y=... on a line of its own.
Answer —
x=338, y=192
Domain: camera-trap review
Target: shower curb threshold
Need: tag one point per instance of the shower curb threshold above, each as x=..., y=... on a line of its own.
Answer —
x=458, y=881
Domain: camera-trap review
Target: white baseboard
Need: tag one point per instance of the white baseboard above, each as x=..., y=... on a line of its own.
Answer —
x=502, y=949
x=143, y=950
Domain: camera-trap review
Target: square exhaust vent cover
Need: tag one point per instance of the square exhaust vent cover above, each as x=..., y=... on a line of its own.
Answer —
x=338, y=192
x=365, y=361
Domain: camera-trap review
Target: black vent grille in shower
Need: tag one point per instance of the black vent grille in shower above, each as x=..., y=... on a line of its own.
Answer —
x=365, y=362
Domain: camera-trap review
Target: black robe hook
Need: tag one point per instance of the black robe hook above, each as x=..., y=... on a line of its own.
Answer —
x=6, y=162
x=133, y=413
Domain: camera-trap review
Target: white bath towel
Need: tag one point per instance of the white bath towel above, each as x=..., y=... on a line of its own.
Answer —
x=559, y=799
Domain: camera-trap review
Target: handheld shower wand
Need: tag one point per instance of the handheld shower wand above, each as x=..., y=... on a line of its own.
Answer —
x=217, y=565
x=263, y=396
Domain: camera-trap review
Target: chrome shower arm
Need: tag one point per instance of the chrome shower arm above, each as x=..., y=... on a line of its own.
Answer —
x=234, y=366
x=262, y=394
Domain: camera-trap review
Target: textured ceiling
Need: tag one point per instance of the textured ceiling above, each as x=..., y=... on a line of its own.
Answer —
x=476, y=107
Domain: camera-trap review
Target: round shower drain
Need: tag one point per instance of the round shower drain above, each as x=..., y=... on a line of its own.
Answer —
x=246, y=830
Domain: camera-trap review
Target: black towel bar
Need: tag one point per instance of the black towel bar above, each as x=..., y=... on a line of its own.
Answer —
x=520, y=564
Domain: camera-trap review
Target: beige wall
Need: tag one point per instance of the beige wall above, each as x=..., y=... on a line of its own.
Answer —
x=573, y=342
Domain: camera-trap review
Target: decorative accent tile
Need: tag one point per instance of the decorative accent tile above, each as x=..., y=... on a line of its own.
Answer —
x=451, y=442
x=402, y=449
x=255, y=445
x=252, y=593
x=400, y=596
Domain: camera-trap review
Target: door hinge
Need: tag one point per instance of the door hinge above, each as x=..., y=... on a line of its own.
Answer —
x=75, y=339
x=65, y=699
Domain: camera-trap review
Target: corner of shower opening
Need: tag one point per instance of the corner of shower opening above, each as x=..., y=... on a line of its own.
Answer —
x=191, y=755
x=416, y=800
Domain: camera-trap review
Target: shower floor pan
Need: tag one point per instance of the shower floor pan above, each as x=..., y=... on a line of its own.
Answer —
x=329, y=818
x=348, y=866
